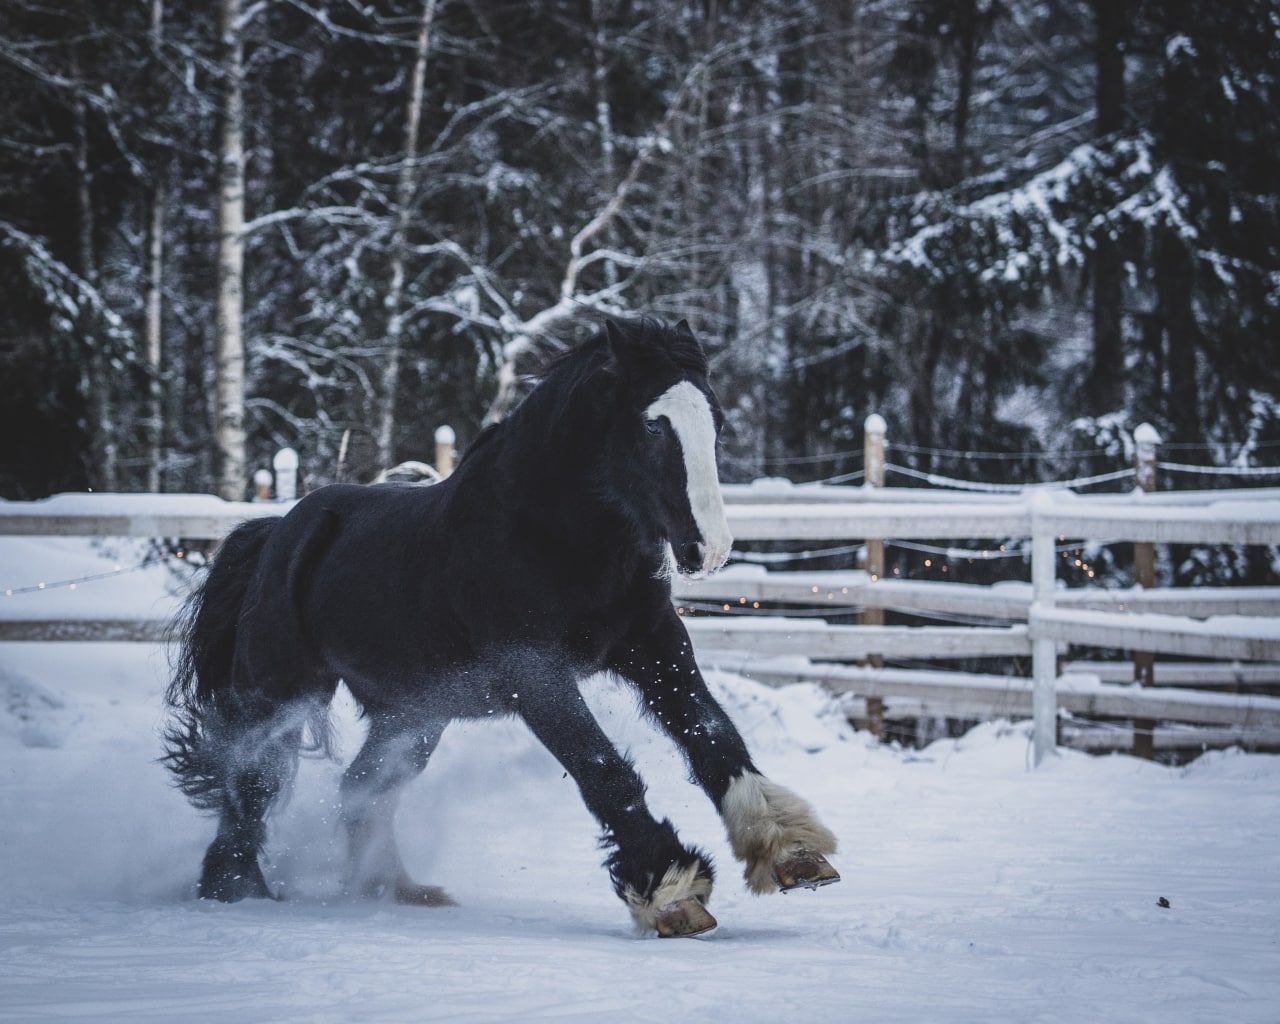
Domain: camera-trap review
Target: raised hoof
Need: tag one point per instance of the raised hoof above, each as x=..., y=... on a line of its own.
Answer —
x=804, y=870
x=411, y=894
x=683, y=918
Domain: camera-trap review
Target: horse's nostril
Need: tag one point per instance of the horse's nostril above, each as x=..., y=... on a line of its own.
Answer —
x=691, y=554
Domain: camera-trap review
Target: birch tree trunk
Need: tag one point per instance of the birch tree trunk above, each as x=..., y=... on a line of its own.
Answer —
x=394, y=348
x=229, y=433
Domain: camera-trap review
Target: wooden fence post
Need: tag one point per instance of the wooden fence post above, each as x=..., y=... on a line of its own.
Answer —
x=285, y=464
x=445, y=440
x=1044, y=650
x=262, y=485
x=1146, y=439
x=873, y=465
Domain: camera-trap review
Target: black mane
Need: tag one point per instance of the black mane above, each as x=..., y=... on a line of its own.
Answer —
x=671, y=352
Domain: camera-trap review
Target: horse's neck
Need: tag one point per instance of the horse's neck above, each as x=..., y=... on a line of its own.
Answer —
x=552, y=499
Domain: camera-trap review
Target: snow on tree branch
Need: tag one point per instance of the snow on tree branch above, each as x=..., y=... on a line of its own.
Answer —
x=74, y=305
x=1023, y=238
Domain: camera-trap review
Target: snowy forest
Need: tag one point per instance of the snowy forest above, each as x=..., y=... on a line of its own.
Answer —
x=1014, y=228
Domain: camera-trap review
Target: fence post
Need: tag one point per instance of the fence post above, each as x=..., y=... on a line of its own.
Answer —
x=1044, y=651
x=1146, y=439
x=873, y=465
x=445, y=440
x=285, y=464
x=262, y=485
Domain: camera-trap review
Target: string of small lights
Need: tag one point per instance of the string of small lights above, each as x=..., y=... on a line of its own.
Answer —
x=1074, y=555
x=750, y=608
x=1001, y=551
x=75, y=582
x=944, y=553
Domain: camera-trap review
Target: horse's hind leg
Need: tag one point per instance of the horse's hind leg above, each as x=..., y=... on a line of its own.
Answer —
x=258, y=754
x=392, y=755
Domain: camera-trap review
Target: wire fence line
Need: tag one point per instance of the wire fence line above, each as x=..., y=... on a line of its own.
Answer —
x=1144, y=444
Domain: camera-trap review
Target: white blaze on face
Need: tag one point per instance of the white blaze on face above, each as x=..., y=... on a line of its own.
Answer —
x=689, y=412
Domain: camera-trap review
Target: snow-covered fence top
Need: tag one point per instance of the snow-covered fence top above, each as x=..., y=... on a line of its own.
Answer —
x=195, y=516
x=763, y=511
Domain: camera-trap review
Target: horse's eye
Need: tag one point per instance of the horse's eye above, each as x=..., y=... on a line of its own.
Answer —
x=653, y=427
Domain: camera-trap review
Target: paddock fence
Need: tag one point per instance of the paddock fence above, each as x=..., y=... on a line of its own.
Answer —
x=1207, y=660
x=1233, y=633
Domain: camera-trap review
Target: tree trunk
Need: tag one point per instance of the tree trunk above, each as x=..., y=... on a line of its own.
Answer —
x=155, y=281
x=1174, y=289
x=604, y=119
x=394, y=348
x=1106, y=375
x=152, y=332
x=931, y=339
x=966, y=61
x=751, y=281
x=229, y=433
x=102, y=431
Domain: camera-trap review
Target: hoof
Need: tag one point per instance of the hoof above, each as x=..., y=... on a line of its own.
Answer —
x=411, y=894
x=230, y=875
x=683, y=918
x=403, y=890
x=804, y=870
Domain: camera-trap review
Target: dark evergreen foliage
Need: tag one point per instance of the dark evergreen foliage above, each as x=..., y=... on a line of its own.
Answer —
x=1005, y=225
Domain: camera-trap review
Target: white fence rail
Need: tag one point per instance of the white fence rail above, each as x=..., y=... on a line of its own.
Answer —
x=1218, y=624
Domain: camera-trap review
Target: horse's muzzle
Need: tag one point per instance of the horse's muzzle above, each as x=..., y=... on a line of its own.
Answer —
x=689, y=559
x=699, y=560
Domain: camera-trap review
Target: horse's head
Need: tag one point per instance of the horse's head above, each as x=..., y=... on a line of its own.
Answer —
x=662, y=453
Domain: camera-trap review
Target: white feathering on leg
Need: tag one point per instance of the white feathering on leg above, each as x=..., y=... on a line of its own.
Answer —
x=767, y=822
x=677, y=884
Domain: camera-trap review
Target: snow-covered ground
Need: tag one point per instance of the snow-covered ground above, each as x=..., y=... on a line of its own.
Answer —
x=974, y=889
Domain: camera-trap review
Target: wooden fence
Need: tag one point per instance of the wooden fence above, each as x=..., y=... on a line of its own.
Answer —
x=1037, y=618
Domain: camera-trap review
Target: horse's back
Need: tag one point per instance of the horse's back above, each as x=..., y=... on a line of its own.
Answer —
x=406, y=591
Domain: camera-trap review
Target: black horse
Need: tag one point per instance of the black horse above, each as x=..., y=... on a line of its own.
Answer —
x=545, y=558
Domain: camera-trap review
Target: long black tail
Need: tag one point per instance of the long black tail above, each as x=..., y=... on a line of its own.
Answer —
x=200, y=691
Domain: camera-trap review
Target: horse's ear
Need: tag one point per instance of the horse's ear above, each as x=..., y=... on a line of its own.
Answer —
x=622, y=347
x=683, y=328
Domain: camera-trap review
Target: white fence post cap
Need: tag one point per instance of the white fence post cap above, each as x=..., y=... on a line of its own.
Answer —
x=874, y=424
x=1146, y=434
x=445, y=435
x=286, y=467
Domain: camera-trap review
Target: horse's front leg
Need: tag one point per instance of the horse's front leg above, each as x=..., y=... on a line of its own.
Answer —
x=665, y=884
x=772, y=830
